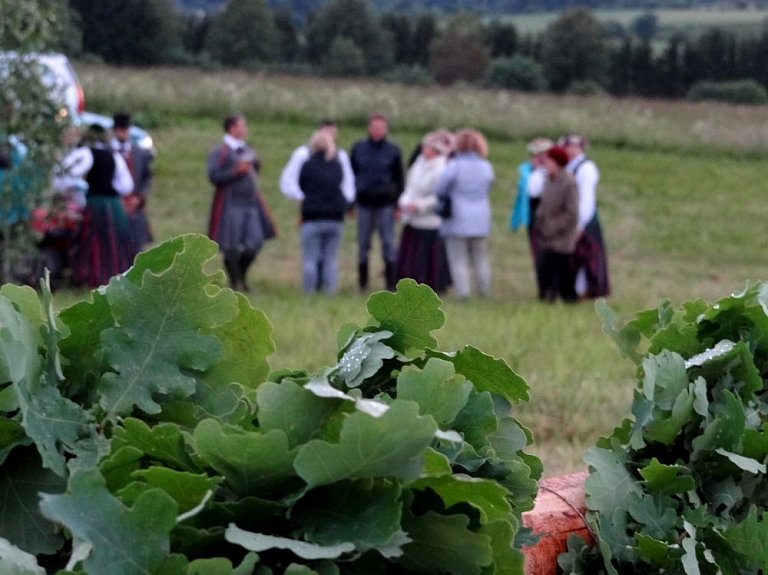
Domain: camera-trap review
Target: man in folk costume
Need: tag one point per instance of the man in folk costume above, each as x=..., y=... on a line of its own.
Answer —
x=139, y=163
x=240, y=221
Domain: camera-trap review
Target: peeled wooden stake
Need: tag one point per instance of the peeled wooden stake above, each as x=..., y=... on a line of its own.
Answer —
x=558, y=513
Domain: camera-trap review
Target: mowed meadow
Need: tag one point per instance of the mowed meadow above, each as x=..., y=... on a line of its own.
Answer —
x=682, y=200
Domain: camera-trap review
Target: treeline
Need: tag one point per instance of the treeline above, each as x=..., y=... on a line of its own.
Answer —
x=302, y=8
x=577, y=53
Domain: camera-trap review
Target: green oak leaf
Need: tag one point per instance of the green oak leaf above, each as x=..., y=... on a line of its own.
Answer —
x=667, y=479
x=655, y=552
x=364, y=358
x=665, y=379
x=57, y=425
x=391, y=445
x=252, y=463
x=411, y=313
x=748, y=537
x=507, y=560
x=117, y=467
x=296, y=411
x=477, y=420
x=86, y=321
x=160, y=337
x=263, y=542
x=657, y=515
x=14, y=561
x=162, y=443
x=485, y=495
x=125, y=541
x=22, y=479
x=246, y=342
x=223, y=566
x=487, y=373
x=11, y=435
x=365, y=512
x=437, y=389
x=610, y=481
x=444, y=544
x=187, y=489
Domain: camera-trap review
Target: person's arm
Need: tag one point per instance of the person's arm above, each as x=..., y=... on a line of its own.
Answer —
x=348, y=177
x=121, y=180
x=289, y=178
x=398, y=174
x=587, y=177
x=143, y=181
x=222, y=171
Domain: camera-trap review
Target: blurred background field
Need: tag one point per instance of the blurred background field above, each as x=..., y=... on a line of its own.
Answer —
x=682, y=203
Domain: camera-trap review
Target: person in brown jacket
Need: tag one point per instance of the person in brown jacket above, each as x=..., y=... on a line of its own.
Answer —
x=556, y=229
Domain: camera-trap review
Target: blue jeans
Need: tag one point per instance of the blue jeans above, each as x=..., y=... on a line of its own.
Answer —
x=320, y=241
x=382, y=220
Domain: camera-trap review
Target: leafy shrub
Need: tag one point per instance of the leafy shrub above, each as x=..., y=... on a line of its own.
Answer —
x=344, y=58
x=736, y=92
x=682, y=488
x=584, y=88
x=148, y=419
x=414, y=75
x=516, y=73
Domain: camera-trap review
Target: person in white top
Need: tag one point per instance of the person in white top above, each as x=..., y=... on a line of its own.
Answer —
x=590, y=259
x=421, y=254
x=289, y=178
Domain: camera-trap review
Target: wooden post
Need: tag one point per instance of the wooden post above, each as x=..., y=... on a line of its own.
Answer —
x=558, y=513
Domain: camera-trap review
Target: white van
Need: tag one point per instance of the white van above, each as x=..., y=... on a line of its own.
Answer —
x=58, y=75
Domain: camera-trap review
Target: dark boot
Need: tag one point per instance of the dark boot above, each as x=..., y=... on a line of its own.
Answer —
x=246, y=259
x=232, y=267
x=362, y=275
x=390, y=275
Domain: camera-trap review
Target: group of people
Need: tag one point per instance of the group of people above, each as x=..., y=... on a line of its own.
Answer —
x=557, y=201
x=443, y=201
x=372, y=183
x=103, y=182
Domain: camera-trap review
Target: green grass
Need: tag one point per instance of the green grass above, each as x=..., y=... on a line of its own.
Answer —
x=682, y=222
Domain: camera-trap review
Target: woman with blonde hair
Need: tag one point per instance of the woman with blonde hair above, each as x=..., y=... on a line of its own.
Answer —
x=323, y=207
x=467, y=181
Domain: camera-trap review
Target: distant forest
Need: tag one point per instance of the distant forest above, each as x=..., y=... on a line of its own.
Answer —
x=300, y=8
x=577, y=53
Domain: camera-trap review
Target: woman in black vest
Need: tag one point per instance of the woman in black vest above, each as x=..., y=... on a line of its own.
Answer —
x=322, y=215
x=104, y=245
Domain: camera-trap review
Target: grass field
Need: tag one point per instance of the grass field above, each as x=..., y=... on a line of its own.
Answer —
x=681, y=200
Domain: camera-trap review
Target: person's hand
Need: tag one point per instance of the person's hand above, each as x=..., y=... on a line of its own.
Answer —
x=243, y=167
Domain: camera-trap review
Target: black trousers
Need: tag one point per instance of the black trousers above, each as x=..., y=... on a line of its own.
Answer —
x=557, y=276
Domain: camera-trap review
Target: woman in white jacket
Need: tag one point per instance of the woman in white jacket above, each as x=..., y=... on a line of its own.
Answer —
x=421, y=254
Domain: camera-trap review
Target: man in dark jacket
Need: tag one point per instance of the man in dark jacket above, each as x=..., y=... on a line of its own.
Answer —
x=379, y=181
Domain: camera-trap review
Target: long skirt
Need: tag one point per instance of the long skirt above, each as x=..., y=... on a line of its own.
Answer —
x=590, y=257
x=103, y=246
x=421, y=256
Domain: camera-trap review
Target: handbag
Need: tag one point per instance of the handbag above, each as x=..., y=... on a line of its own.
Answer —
x=444, y=208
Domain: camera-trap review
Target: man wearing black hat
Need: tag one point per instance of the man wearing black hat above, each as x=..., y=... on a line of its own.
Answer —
x=139, y=163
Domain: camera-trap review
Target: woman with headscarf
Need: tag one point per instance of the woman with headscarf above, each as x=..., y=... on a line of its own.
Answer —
x=556, y=229
x=421, y=254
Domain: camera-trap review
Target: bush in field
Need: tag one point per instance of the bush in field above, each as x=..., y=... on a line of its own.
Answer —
x=143, y=433
x=584, y=88
x=516, y=73
x=460, y=53
x=736, y=92
x=344, y=58
x=415, y=75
